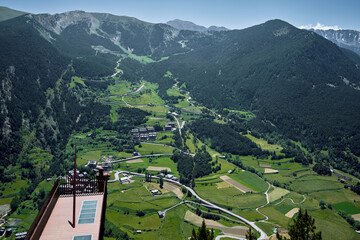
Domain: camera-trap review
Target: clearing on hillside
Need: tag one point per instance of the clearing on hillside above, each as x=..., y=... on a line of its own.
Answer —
x=236, y=184
x=269, y=170
x=237, y=231
x=135, y=161
x=173, y=188
x=356, y=217
x=277, y=193
x=159, y=169
x=292, y=212
x=222, y=185
x=265, y=165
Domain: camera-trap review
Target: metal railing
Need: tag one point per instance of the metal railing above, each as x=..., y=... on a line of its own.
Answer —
x=84, y=186
x=64, y=188
x=41, y=219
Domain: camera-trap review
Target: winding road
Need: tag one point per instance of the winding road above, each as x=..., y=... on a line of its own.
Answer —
x=209, y=204
x=267, y=202
x=142, y=156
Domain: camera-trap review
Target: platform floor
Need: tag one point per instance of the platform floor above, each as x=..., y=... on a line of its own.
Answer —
x=59, y=226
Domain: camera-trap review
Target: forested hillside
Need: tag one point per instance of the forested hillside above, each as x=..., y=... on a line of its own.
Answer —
x=267, y=109
x=300, y=82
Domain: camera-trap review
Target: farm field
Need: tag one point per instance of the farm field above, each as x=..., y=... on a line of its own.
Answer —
x=264, y=145
x=215, y=189
x=230, y=197
x=302, y=187
x=159, y=162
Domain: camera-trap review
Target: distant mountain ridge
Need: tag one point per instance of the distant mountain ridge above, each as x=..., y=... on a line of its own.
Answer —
x=187, y=25
x=306, y=86
x=7, y=13
x=349, y=39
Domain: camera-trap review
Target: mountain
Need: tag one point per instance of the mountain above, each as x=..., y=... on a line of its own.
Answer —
x=39, y=55
x=296, y=82
x=186, y=25
x=304, y=85
x=7, y=13
x=349, y=39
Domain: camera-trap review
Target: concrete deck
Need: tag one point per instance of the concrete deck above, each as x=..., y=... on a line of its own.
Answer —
x=59, y=225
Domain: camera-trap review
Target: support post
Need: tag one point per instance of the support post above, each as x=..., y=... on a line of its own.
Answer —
x=74, y=189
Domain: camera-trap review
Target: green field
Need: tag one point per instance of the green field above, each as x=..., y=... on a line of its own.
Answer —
x=89, y=156
x=285, y=206
x=263, y=144
x=230, y=197
x=120, y=88
x=75, y=80
x=268, y=228
x=277, y=193
x=309, y=185
x=250, y=180
x=147, y=148
x=347, y=207
x=123, y=202
x=155, y=161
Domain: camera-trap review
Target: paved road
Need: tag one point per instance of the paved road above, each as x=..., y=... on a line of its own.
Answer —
x=183, y=124
x=210, y=204
x=142, y=156
x=177, y=121
x=160, y=144
x=122, y=98
x=228, y=236
x=267, y=202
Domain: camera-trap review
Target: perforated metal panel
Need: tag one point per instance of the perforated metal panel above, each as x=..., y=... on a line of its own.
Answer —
x=88, y=212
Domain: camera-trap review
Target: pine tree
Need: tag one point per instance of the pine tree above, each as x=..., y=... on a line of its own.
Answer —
x=303, y=227
x=250, y=235
x=202, y=233
x=161, y=182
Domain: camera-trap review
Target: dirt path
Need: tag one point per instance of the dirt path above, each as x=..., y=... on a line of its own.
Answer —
x=173, y=188
x=237, y=231
x=152, y=168
x=292, y=212
x=236, y=184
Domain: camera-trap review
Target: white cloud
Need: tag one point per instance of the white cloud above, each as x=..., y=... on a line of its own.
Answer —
x=320, y=26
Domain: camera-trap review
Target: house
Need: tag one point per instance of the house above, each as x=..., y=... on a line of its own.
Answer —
x=230, y=171
x=168, y=128
x=144, y=137
x=71, y=173
x=92, y=164
x=143, y=134
x=135, y=130
x=136, y=136
x=20, y=235
x=169, y=176
x=155, y=192
x=152, y=136
x=125, y=180
x=161, y=214
x=107, y=166
x=142, y=130
x=172, y=124
x=175, y=179
x=138, y=231
x=136, y=154
x=150, y=129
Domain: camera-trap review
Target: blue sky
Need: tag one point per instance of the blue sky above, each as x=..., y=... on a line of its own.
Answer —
x=233, y=14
